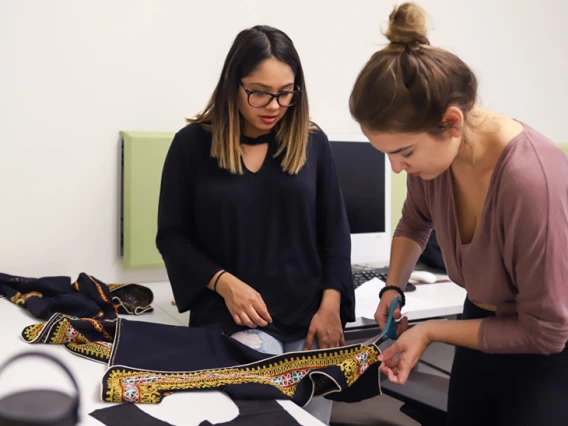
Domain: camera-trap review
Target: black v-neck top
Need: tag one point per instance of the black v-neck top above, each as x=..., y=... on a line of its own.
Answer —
x=287, y=236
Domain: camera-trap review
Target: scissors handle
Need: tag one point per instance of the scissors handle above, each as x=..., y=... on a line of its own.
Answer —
x=392, y=325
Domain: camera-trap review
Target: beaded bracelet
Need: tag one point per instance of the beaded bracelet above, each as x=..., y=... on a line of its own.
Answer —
x=395, y=288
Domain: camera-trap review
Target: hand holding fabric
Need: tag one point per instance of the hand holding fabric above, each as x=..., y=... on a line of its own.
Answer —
x=244, y=303
x=410, y=346
x=326, y=325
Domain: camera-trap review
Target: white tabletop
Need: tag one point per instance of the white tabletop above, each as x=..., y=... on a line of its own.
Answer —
x=184, y=408
x=435, y=300
x=440, y=299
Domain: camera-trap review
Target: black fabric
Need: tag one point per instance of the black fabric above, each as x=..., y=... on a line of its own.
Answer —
x=126, y=415
x=287, y=236
x=149, y=361
x=80, y=315
x=259, y=413
x=43, y=297
x=506, y=389
x=87, y=297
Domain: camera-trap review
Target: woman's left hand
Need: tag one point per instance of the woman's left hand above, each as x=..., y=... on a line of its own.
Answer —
x=410, y=346
x=326, y=326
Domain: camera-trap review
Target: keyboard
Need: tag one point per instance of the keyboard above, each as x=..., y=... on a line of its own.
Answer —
x=360, y=277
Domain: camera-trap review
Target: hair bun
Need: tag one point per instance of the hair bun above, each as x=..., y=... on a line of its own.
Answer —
x=407, y=25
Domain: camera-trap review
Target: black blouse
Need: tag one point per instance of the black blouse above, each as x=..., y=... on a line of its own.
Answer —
x=287, y=236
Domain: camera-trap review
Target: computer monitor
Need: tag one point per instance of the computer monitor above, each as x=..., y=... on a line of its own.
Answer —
x=364, y=177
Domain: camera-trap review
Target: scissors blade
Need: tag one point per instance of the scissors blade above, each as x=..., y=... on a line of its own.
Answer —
x=373, y=340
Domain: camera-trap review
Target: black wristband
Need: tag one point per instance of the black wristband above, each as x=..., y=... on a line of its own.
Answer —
x=395, y=288
x=216, y=281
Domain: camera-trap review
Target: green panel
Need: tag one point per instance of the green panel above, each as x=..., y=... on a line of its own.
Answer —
x=399, y=192
x=144, y=155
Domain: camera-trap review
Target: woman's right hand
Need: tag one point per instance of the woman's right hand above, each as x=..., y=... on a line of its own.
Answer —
x=244, y=303
x=382, y=313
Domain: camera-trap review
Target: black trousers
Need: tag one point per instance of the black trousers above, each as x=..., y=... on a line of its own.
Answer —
x=507, y=389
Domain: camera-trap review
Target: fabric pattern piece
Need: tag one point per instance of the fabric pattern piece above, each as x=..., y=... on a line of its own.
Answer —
x=175, y=358
x=258, y=413
x=126, y=415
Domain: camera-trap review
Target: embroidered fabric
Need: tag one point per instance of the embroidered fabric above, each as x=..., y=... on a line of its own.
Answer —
x=172, y=359
x=81, y=315
x=87, y=297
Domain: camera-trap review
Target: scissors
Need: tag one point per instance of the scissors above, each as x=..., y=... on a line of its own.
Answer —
x=390, y=328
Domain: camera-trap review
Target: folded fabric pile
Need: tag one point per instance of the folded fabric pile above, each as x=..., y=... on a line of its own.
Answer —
x=81, y=315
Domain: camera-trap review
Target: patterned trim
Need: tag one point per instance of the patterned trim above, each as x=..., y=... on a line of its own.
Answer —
x=124, y=384
x=39, y=333
x=102, y=294
x=32, y=332
x=21, y=298
x=97, y=325
x=58, y=330
x=65, y=333
x=99, y=289
x=96, y=351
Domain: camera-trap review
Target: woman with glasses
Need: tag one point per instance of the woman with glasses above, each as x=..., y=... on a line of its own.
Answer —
x=251, y=225
x=496, y=191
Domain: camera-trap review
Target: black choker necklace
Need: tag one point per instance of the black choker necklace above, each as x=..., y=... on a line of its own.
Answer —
x=268, y=138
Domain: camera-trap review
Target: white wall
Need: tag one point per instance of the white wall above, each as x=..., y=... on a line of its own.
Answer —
x=73, y=73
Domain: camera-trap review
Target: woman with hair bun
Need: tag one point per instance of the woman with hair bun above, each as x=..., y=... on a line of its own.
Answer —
x=496, y=191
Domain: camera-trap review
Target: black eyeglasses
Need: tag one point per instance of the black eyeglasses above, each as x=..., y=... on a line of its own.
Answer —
x=260, y=98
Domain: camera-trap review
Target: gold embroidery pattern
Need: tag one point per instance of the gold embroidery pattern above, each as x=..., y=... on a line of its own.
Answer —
x=32, y=332
x=39, y=333
x=66, y=333
x=99, y=289
x=102, y=293
x=99, y=327
x=20, y=299
x=59, y=330
x=126, y=385
x=99, y=351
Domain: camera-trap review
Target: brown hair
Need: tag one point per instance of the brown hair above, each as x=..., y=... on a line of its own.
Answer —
x=407, y=86
x=221, y=116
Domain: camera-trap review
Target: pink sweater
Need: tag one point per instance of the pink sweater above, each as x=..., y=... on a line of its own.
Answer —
x=518, y=257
